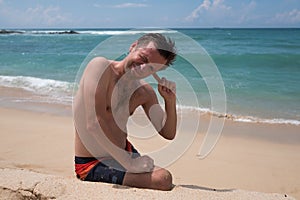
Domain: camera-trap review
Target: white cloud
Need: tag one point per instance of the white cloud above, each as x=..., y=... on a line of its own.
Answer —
x=290, y=17
x=195, y=14
x=39, y=16
x=218, y=4
x=245, y=14
x=217, y=13
x=130, y=5
x=213, y=7
x=123, y=5
x=49, y=16
x=98, y=5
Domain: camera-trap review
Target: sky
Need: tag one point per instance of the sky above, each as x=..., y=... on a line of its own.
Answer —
x=149, y=13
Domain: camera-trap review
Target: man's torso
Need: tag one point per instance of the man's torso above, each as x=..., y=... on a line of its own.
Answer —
x=117, y=120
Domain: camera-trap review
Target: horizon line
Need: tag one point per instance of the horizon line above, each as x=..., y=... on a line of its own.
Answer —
x=74, y=28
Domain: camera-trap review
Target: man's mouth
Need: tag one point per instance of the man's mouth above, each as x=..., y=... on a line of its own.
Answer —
x=134, y=65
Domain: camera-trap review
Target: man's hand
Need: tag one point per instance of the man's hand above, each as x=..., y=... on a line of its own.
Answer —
x=141, y=164
x=167, y=89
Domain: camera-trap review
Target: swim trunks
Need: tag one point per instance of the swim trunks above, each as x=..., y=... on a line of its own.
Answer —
x=103, y=169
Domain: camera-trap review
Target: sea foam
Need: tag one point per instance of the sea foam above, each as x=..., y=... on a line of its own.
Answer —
x=55, y=91
x=47, y=88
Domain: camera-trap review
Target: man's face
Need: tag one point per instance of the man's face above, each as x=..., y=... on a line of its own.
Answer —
x=145, y=61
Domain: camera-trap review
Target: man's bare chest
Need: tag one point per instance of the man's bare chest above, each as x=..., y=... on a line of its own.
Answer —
x=122, y=98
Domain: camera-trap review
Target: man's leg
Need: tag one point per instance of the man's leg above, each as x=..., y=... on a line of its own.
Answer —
x=159, y=179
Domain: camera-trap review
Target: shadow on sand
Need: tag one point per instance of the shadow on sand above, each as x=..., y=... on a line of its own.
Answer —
x=196, y=187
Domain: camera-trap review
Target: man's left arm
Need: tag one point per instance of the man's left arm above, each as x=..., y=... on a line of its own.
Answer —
x=164, y=122
x=167, y=89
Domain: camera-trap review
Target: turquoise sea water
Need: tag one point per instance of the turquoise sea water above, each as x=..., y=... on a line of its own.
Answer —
x=260, y=67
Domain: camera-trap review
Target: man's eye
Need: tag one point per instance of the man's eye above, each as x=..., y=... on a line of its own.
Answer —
x=144, y=58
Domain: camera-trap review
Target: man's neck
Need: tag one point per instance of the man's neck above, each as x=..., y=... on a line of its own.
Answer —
x=116, y=68
x=120, y=67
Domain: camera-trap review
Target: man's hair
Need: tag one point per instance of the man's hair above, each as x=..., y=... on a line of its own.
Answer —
x=164, y=45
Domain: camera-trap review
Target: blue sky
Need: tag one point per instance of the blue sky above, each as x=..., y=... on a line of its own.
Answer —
x=148, y=13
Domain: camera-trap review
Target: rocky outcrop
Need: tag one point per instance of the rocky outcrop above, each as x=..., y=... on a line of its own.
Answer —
x=64, y=32
x=3, y=31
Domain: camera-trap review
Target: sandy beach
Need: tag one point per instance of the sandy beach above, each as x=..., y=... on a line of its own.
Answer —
x=235, y=67
x=257, y=157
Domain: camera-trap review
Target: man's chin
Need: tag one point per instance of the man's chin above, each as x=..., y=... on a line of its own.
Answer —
x=130, y=74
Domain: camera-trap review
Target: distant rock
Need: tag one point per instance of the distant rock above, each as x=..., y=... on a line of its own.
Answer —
x=64, y=32
x=3, y=31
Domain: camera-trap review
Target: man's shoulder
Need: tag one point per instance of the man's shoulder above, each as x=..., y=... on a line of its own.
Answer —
x=97, y=64
x=99, y=60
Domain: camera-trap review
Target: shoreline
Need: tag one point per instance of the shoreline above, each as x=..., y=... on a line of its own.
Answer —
x=256, y=157
x=12, y=97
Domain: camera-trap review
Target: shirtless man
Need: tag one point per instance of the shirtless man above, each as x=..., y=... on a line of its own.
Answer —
x=108, y=94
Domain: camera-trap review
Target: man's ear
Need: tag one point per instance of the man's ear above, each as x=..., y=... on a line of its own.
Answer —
x=132, y=46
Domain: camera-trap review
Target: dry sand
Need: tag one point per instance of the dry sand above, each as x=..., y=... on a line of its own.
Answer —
x=264, y=158
x=23, y=184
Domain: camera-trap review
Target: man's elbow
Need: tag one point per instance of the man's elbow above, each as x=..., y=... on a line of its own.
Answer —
x=169, y=135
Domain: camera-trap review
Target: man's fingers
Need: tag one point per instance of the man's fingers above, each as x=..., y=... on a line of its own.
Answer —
x=148, y=163
x=168, y=86
x=164, y=84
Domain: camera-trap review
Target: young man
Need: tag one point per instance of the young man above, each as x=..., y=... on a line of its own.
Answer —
x=108, y=94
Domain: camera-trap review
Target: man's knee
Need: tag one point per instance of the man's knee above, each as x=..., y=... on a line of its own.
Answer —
x=163, y=179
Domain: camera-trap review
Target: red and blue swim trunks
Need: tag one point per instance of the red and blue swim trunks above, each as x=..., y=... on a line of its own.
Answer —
x=102, y=170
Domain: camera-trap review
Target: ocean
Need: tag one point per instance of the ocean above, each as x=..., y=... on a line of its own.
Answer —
x=260, y=68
